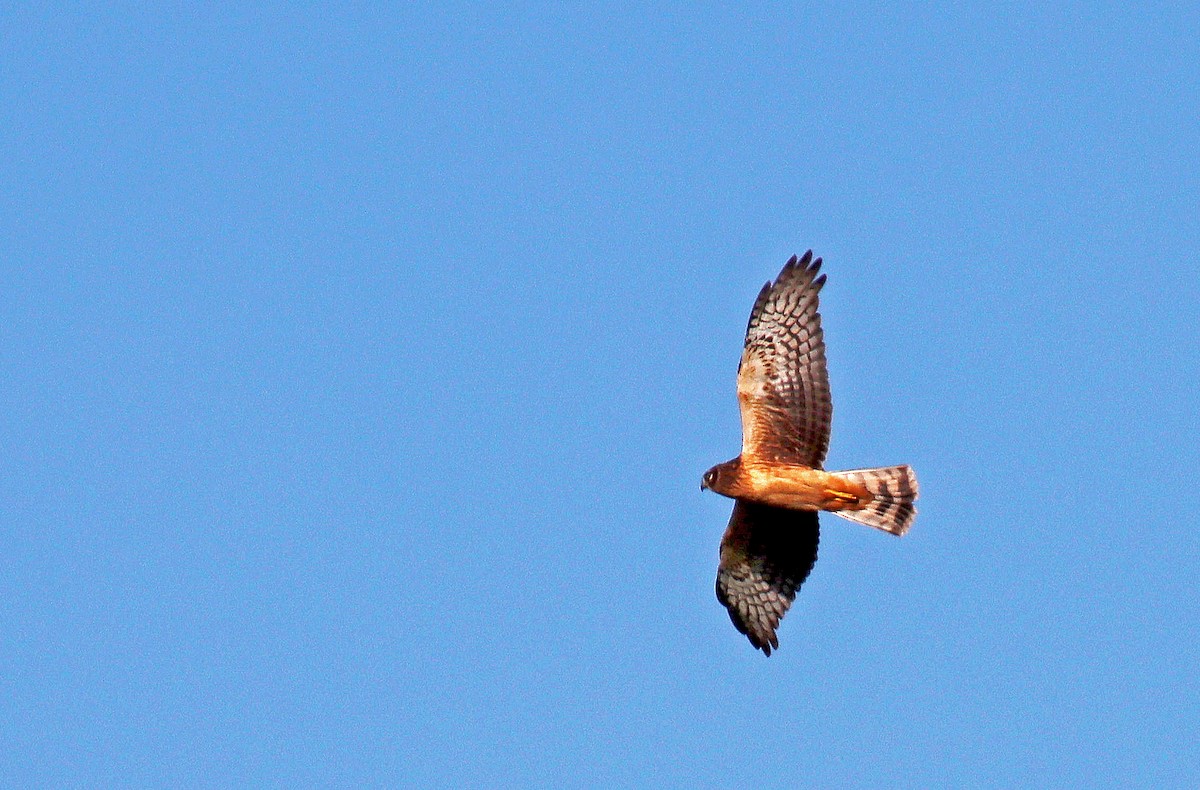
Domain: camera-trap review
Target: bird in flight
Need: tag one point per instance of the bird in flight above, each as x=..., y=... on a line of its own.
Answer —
x=778, y=483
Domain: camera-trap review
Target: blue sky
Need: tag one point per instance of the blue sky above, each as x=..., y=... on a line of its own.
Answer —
x=360, y=367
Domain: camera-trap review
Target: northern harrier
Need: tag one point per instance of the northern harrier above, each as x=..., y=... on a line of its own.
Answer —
x=777, y=482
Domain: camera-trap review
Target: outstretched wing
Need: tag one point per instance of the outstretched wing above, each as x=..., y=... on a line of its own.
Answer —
x=766, y=554
x=783, y=386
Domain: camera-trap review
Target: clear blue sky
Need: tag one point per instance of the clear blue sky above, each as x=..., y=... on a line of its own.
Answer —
x=359, y=369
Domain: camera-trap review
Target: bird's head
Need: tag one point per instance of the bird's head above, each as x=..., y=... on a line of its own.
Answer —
x=711, y=479
x=723, y=478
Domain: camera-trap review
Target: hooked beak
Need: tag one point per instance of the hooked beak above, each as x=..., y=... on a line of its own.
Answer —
x=704, y=486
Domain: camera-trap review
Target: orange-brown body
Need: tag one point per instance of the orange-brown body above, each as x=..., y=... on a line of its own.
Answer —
x=790, y=486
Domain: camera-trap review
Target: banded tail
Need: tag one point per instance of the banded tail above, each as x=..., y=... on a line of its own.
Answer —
x=894, y=489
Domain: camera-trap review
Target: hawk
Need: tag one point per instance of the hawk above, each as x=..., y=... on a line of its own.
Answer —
x=778, y=483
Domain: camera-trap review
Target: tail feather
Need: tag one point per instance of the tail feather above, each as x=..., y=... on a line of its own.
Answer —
x=894, y=489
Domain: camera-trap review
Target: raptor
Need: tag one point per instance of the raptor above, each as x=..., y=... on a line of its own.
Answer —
x=778, y=482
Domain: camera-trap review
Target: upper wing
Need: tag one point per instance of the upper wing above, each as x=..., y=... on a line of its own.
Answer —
x=783, y=387
x=766, y=554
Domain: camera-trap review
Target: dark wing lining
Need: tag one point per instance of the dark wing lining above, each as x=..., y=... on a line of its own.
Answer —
x=783, y=385
x=766, y=554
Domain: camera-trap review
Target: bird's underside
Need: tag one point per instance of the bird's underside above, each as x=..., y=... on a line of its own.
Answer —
x=778, y=482
x=794, y=487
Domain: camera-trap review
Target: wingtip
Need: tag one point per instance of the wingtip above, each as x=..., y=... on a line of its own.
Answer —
x=805, y=265
x=792, y=264
x=758, y=643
